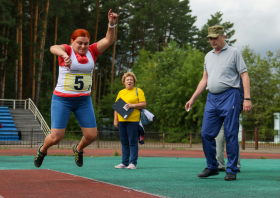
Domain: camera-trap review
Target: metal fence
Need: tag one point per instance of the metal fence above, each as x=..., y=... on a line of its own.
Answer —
x=260, y=139
x=105, y=139
x=111, y=139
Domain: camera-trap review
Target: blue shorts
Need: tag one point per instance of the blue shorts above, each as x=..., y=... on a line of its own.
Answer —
x=82, y=108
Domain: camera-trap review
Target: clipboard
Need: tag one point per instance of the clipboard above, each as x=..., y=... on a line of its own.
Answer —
x=118, y=107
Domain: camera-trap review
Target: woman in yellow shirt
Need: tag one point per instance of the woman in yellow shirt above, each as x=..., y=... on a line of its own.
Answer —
x=128, y=128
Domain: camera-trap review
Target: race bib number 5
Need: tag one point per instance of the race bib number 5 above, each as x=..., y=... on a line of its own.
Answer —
x=77, y=82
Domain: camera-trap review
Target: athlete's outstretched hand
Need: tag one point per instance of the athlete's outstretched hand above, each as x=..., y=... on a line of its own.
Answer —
x=67, y=60
x=112, y=17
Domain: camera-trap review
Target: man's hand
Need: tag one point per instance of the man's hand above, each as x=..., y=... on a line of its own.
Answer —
x=189, y=104
x=116, y=123
x=67, y=60
x=247, y=106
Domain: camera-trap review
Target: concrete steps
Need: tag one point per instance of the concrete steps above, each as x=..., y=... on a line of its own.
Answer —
x=29, y=126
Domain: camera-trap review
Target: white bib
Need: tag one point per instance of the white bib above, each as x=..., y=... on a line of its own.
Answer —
x=77, y=80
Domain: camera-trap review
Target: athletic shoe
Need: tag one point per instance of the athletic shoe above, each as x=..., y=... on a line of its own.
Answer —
x=38, y=160
x=131, y=166
x=78, y=156
x=120, y=166
x=207, y=172
x=230, y=177
x=222, y=169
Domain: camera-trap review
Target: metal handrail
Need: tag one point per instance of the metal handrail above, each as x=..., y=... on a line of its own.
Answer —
x=29, y=104
x=38, y=115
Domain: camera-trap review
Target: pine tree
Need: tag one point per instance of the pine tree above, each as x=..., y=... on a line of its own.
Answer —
x=6, y=22
x=216, y=19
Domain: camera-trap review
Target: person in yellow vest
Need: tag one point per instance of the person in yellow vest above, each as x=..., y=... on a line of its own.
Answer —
x=128, y=128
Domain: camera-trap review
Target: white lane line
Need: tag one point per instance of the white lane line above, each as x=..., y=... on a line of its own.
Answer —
x=109, y=184
x=1, y=196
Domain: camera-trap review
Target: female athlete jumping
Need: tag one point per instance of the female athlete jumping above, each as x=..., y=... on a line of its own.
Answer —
x=73, y=89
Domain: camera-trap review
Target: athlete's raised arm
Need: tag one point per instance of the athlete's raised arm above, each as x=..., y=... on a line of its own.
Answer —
x=104, y=43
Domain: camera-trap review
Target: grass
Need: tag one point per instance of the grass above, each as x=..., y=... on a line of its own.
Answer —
x=116, y=153
x=263, y=157
x=1, y=148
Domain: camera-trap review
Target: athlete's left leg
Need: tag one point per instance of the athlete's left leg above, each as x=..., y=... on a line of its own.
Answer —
x=86, y=118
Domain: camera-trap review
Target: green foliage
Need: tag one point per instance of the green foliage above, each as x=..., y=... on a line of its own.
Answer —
x=156, y=22
x=116, y=153
x=169, y=78
x=106, y=112
x=6, y=21
x=216, y=19
x=73, y=135
x=45, y=106
x=264, y=76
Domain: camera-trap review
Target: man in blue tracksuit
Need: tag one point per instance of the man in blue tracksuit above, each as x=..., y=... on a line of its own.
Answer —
x=223, y=68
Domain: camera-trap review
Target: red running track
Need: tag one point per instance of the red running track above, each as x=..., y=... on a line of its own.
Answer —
x=47, y=183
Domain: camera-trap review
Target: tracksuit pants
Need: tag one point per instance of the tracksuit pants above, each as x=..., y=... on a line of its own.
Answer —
x=222, y=108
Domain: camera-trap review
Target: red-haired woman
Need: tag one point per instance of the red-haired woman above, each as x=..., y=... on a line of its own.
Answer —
x=73, y=89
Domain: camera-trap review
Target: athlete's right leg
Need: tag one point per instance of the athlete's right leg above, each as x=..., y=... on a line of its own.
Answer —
x=53, y=138
x=60, y=113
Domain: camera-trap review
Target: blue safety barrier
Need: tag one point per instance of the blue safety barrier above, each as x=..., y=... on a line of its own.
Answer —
x=6, y=121
x=8, y=132
x=2, y=108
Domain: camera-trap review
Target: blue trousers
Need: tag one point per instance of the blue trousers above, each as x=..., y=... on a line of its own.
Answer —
x=222, y=108
x=129, y=140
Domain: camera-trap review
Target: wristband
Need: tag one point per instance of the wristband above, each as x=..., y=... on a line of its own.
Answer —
x=112, y=26
x=247, y=98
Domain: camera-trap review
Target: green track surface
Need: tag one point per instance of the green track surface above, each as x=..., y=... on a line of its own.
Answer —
x=170, y=177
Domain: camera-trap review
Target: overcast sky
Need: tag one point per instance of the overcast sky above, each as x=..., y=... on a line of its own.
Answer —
x=256, y=22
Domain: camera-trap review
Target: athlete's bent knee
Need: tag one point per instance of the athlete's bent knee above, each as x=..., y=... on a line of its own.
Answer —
x=90, y=137
x=56, y=140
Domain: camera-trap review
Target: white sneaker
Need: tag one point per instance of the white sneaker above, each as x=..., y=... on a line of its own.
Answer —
x=131, y=166
x=120, y=166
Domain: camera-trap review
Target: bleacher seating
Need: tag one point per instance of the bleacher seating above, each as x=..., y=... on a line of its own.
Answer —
x=8, y=132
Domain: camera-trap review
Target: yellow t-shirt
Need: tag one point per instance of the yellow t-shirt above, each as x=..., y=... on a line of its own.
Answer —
x=130, y=96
